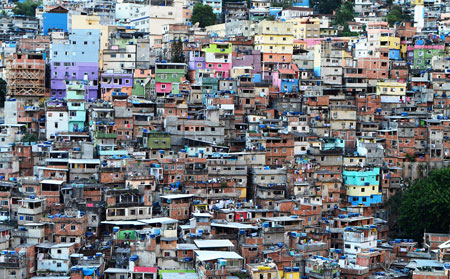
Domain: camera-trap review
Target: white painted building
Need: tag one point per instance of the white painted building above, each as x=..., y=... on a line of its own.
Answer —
x=126, y=11
x=357, y=239
x=163, y=12
x=56, y=122
x=295, y=12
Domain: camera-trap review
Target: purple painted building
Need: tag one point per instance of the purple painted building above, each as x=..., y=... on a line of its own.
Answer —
x=196, y=60
x=115, y=84
x=75, y=58
x=62, y=72
x=252, y=59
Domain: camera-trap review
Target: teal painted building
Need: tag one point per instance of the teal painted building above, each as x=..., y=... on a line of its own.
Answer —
x=363, y=186
x=333, y=143
x=76, y=106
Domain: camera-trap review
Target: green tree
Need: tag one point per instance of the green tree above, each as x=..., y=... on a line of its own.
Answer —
x=325, y=6
x=204, y=15
x=344, y=14
x=176, y=52
x=396, y=14
x=424, y=206
x=26, y=8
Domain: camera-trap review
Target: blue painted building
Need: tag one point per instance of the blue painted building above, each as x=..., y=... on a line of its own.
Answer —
x=286, y=80
x=300, y=3
x=394, y=54
x=363, y=186
x=56, y=18
x=76, y=59
x=289, y=85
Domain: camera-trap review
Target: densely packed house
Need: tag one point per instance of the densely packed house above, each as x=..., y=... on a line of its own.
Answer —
x=135, y=144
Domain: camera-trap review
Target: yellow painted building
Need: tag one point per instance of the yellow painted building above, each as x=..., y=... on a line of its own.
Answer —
x=274, y=37
x=391, y=88
x=306, y=28
x=362, y=191
x=417, y=2
x=390, y=42
x=93, y=22
x=403, y=50
x=270, y=271
x=241, y=71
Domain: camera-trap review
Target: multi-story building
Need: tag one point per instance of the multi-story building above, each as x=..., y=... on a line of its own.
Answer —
x=363, y=187
x=218, y=59
x=25, y=74
x=275, y=42
x=75, y=58
x=76, y=96
x=168, y=77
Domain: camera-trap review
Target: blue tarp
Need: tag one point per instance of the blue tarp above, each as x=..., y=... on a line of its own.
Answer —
x=88, y=271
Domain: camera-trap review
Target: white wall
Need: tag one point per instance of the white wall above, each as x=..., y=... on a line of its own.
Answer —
x=60, y=117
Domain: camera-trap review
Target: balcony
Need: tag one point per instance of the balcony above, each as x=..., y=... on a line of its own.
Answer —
x=196, y=171
x=29, y=211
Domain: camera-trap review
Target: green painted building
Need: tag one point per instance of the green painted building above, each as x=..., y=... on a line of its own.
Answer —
x=158, y=140
x=168, y=77
x=423, y=54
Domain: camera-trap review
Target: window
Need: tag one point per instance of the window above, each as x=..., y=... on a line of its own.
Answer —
x=73, y=228
x=72, y=240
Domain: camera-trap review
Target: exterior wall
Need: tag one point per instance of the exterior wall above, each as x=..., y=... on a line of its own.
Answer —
x=56, y=122
x=163, y=15
x=75, y=60
x=363, y=187
x=77, y=112
x=54, y=21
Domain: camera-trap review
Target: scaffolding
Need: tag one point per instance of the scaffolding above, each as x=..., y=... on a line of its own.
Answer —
x=25, y=75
